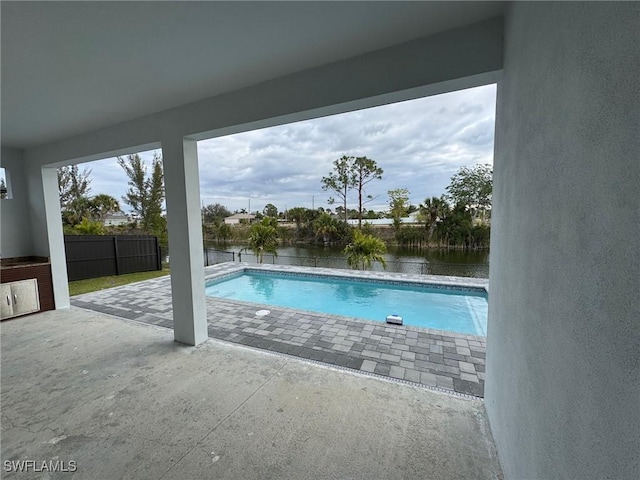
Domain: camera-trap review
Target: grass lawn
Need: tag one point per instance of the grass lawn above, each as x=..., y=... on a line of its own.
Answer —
x=92, y=284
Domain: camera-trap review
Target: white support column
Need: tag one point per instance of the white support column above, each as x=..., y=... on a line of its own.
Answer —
x=180, y=162
x=46, y=227
x=55, y=237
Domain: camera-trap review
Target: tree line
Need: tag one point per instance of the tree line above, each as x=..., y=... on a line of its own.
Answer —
x=85, y=214
x=458, y=218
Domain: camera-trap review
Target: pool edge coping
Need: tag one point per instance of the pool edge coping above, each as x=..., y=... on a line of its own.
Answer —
x=242, y=267
x=407, y=278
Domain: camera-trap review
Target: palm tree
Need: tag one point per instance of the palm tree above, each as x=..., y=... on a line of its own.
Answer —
x=432, y=209
x=89, y=227
x=263, y=238
x=455, y=228
x=102, y=205
x=365, y=250
x=325, y=227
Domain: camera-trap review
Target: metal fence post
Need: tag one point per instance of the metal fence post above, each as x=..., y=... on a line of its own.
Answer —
x=117, y=255
x=158, y=253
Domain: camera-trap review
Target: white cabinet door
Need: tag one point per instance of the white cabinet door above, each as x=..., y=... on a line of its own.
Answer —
x=6, y=304
x=19, y=298
x=25, y=296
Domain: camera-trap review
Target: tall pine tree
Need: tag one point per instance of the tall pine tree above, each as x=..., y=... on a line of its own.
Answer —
x=145, y=195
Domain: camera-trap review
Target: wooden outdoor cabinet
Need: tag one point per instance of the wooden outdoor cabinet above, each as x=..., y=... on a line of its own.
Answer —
x=34, y=296
x=19, y=298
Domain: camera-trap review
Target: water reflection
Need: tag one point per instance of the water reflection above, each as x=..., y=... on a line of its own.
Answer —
x=262, y=285
x=354, y=292
x=402, y=260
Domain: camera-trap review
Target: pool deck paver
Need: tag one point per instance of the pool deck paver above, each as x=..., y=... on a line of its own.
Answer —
x=432, y=358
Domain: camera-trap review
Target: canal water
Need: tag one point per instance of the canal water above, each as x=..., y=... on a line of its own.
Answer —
x=399, y=259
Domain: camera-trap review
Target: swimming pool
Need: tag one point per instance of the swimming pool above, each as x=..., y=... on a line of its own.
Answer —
x=454, y=309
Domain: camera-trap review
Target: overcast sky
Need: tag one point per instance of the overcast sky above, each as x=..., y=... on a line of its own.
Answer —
x=419, y=144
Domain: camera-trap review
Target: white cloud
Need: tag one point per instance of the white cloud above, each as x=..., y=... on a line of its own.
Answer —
x=420, y=144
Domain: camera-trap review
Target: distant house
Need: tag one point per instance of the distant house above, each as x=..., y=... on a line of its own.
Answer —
x=239, y=218
x=412, y=219
x=371, y=221
x=116, y=219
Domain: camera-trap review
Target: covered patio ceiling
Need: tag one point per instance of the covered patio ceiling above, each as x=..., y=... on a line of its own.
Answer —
x=73, y=67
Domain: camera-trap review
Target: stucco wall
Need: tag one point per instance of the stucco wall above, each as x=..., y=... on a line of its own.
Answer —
x=562, y=389
x=15, y=239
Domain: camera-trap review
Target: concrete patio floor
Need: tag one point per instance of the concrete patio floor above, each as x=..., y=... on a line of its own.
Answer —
x=122, y=400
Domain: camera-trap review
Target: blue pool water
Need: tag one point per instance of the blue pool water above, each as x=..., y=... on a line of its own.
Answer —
x=461, y=311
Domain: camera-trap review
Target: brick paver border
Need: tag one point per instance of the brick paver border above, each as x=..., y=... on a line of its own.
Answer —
x=432, y=358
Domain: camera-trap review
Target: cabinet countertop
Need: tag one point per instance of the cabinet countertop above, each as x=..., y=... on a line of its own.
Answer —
x=21, y=262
